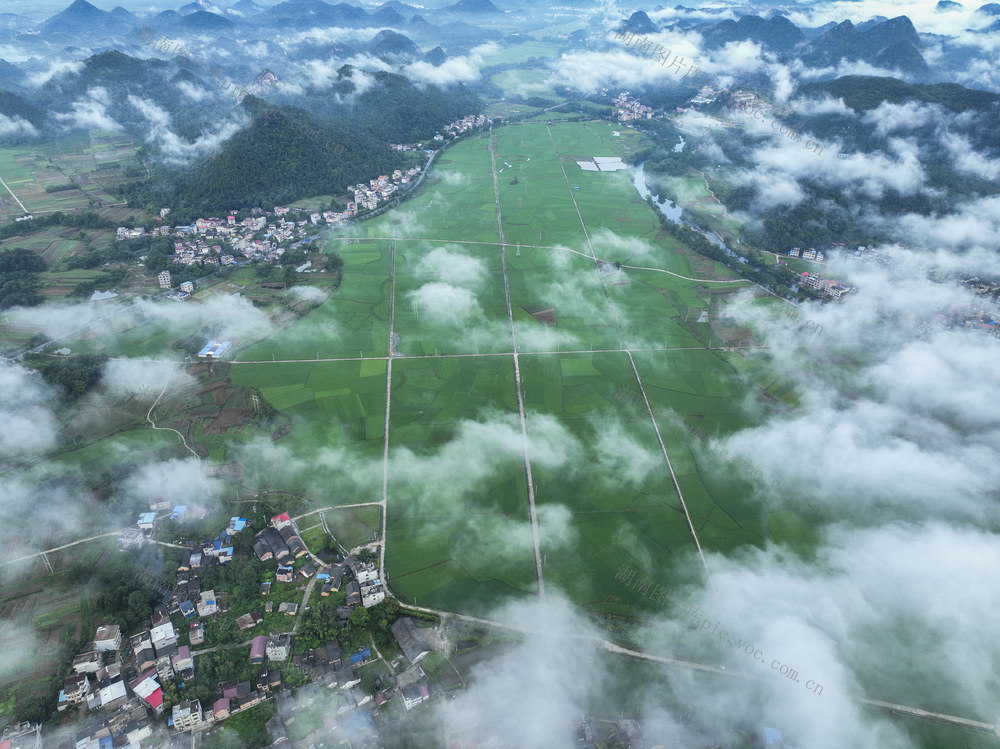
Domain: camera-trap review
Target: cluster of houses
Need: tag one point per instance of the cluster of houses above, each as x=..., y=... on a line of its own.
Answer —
x=705, y=95
x=750, y=101
x=225, y=241
x=628, y=108
x=281, y=543
x=826, y=286
x=108, y=677
x=368, y=196
x=124, y=678
x=810, y=254
x=464, y=125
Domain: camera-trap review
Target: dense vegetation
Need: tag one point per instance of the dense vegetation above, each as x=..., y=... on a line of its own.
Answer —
x=271, y=162
x=321, y=624
x=84, y=220
x=73, y=375
x=126, y=596
x=288, y=153
x=863, y=93
x=19, y=279
x=749, y=265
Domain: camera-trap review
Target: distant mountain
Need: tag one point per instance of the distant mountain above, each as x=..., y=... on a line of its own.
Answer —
x=14, y=22
x=305, y=14
x=467, y=32
x=200, y=5
x=11, y=76
x=12, y=105
x=893, y=43
x=640, y=23
x=902, y=56
x=387, y=17
x=390, y=44
x=776, y=33
x=418, y=25
x=166, y=19
x=245, y=8
x=472, y=7
x=990, y=9
x=436, y=57
x=202, y=20
x=83, y=17
x=117, y=75
x=863, y=93
x=946, y=5
x=408, y=11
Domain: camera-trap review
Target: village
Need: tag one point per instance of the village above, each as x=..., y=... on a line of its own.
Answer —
x=124, y=687
x=264, y=236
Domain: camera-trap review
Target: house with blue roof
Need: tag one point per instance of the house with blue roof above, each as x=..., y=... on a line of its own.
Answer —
x=362, y=656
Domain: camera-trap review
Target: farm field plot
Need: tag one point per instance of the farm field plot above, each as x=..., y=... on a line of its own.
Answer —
x=334, y=408
x=458, y=534
x=692, y=192
x=526, y=83
x=455, y=201
x=537, y=207
x=450, y=299
x=520, y=52
x=558, y=302
x=353, y=526
x=62, y=176
x=351, y=322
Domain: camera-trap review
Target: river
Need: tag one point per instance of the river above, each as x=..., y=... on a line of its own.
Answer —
x=671, y=210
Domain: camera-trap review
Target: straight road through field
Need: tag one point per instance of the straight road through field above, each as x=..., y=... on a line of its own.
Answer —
x=517, y=379
x=635, y=370
x=388, y=399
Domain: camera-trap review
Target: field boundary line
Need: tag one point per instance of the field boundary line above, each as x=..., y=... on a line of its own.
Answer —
x=535, y=539
x=635, y=370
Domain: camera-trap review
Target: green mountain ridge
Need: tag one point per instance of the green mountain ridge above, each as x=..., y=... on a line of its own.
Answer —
x=863, y=93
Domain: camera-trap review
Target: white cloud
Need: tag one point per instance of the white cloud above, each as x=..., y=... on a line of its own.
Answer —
x=175, y=149
x=15, y=126
x=90, y=112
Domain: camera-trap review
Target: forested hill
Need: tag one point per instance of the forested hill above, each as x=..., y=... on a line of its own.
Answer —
x=286, y=153
x=399, y=111
x=281, y=157
x=864, y=92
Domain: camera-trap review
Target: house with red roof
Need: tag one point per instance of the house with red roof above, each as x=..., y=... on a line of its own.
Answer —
x=148, y=690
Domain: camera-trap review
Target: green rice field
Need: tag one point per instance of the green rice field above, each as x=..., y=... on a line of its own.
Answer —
x=510, y=267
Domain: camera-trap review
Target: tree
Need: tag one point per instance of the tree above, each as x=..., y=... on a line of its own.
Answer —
x=358, y=618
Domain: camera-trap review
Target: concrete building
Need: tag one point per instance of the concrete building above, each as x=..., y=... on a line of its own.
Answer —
x=76, y=688
x=187, y=714
x=88, y=663
x=278, y=646
x=108, y=637
x=206, y=603
x=163, y=637
x=164, y=279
